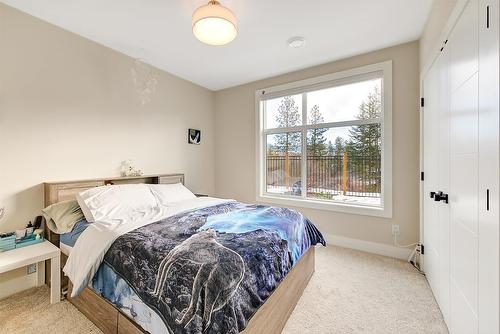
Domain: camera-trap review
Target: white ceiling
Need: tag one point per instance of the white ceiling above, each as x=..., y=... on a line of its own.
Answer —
x=159, y=31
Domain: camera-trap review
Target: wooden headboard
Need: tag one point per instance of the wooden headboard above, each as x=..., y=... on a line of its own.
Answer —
x=62, y=191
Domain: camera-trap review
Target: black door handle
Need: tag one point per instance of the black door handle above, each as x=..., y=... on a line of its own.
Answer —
x=439, y=196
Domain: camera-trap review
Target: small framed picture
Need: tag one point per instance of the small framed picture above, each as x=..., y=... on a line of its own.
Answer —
x=194, y=136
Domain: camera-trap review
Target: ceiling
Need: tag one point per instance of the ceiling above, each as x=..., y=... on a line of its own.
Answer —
x=159, y=31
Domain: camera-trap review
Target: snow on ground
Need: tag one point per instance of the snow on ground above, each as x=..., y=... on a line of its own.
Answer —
x=371, y=199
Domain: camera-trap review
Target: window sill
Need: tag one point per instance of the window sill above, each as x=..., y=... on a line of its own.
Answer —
x=327, y=206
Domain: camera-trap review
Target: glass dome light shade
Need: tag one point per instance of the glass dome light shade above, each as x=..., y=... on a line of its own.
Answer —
x=214, y=24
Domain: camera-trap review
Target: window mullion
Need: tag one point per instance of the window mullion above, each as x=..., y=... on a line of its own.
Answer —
x=341, y=124
x=265, y=165
x=283, y=130
x=304, y=146
x=264, y=114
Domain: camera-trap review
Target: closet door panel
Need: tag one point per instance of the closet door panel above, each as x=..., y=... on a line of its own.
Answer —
x=432, y=237
x=464, y=134
x=463, y=320
x=463, y=196
x=464, y=119
x=463, y=205
x=464, y=216
x=436, y=133
x=444, y=182
x=489, y=123
x=463, y=44
x=464, y=267
x=464, y=55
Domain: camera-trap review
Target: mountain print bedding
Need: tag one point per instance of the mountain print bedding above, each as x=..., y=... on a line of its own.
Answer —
x=209, y=270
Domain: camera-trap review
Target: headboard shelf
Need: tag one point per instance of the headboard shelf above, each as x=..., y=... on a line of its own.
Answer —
x=55, y=192
x=114, y=178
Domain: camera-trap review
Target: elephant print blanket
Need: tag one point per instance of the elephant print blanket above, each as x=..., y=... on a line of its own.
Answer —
x=209, y=270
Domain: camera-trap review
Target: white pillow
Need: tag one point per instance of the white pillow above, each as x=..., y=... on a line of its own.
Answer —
x=116, y=202
x=170, y=193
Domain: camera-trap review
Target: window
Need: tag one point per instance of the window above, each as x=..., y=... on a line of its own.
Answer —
x=326, y=142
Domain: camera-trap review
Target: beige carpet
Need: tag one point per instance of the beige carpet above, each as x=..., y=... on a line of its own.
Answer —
x=356, y=292
x=351, y=292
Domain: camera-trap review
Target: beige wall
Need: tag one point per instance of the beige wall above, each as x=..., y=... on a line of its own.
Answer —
x=69, y=110
x=429, y=41
x=235, y=142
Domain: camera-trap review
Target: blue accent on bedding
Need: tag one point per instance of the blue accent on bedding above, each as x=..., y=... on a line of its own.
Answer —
x=261, y=217
x=206, y=270
x=71, y=237
x=108, y=284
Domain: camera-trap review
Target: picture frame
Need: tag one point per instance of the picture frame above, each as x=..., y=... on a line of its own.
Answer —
x=194, y=136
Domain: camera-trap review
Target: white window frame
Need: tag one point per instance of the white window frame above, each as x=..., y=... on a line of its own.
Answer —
x=382, y=70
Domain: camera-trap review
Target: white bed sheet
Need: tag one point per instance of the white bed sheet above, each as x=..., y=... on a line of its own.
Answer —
x=65, y=249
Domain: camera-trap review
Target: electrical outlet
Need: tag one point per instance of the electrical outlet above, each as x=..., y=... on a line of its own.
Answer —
x=395, y=229
x=31, y=269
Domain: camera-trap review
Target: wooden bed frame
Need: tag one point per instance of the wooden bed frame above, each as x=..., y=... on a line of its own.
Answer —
x=270, y=318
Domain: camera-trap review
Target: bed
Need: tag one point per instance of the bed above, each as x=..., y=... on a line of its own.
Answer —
x=115, y=300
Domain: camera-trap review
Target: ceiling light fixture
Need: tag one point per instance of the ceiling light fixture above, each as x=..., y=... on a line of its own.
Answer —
x=296, y=42
x=214, y=24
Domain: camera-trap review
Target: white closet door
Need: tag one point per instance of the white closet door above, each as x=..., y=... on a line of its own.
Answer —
x=444, y=182
x=436, y=167
x=462, y=158
x=489, y=231
x=431, y=155
x=463, y=44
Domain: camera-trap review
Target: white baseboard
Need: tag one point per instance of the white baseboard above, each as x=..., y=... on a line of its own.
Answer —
x=369, y=246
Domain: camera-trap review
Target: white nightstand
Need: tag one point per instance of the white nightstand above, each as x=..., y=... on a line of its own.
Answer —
x=21, y=257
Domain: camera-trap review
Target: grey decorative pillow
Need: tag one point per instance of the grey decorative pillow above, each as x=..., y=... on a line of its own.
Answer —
x=61, y=217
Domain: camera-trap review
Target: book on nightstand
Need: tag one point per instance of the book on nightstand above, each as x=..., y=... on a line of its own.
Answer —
x=7, y=241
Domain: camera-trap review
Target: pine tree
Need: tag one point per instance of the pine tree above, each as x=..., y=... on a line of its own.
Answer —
x=366, y=141
x=339, y=147
x=330, y=148
x=315, y=137
x=288, y=115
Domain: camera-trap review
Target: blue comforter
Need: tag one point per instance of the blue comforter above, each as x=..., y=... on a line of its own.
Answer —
x=209, y=270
